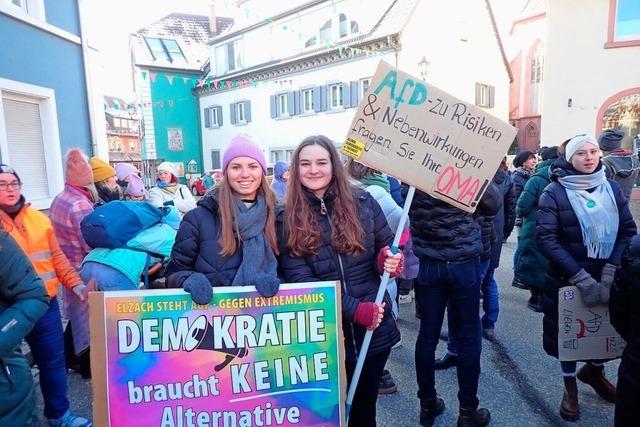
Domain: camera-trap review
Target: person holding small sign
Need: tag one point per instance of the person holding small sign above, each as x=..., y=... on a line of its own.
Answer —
x=583, y=226
x=230, y=238
x=330, y=230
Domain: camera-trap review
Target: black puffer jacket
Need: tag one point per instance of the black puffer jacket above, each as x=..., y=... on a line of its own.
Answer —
x=559, y=238
x=441, y=232
x=505, y=218
x=197, y=249
x=488, y=207
x=361, y=280
x=624, y=312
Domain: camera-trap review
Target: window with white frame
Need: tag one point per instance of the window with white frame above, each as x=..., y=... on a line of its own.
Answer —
x=364, y=86
x=213, y=117
x=229, y=57
x=485, y=95
x=307, y=101
x=281, y=154
x=29, y=139
x=33, y=8
x=336, y=96
x=240, y=112
x=337, y=27
x=282, y=102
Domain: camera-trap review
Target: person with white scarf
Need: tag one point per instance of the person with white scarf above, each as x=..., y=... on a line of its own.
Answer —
x=583, y=226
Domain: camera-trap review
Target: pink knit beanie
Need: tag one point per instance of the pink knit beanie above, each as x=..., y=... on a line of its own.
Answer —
x=123, y=170
x=242, y=145
x=78, y=170
x=135, y=187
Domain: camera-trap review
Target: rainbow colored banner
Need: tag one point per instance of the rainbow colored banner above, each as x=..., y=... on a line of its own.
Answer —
x=159, y=359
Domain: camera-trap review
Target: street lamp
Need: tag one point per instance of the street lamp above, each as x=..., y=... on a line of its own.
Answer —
x=423, y=68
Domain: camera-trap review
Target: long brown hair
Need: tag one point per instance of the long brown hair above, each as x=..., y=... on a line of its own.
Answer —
x=229, y=234
x=304, y=233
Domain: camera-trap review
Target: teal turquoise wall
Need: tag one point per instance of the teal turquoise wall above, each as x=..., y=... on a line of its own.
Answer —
x=174, y=106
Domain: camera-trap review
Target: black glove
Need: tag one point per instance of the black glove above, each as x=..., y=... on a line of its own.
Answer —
x=199, y=287
x=168, y=203
x=589, y=288
x=606, y=279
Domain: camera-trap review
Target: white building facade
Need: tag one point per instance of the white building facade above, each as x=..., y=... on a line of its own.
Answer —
x=303, y=72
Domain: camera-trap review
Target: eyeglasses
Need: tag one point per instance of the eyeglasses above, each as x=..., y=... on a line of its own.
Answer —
x=4, y=186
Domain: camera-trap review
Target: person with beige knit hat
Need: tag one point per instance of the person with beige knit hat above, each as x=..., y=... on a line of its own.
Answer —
x=105, y=180
x=169, y=192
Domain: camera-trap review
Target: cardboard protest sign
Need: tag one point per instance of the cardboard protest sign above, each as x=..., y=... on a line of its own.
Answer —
x=585, y=333
x=425, y=137
x=159, y=359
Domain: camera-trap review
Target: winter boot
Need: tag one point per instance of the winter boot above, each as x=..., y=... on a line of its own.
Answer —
x=470, y=417
x=594, y=376
x=569, y=407
x=429, y=410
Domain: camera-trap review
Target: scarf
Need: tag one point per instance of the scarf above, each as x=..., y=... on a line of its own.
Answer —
x=526, y=172
x=13, y=211
x=377, y=179
x=258, y=267
x=170, y=187
x=597, y=211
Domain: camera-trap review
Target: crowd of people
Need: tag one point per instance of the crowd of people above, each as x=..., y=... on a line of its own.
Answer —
x=319, y=219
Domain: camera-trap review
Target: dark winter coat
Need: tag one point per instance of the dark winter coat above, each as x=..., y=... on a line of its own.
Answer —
x=519, y=181
x=559, y=238
x=441, y=232
x=622, y=167
x=488, y=207
x=531, y=265
x=197, y=249
x=505, y=217
x=23, y=301
x=361, y=280
x=624, y=312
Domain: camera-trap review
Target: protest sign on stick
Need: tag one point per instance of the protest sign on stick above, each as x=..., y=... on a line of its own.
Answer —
x=427, y=138
x=159, y=359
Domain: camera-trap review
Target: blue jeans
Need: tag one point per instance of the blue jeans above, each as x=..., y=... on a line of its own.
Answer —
x=452, y=344
x=458, y=285
x=47, y=347
x=490, y=300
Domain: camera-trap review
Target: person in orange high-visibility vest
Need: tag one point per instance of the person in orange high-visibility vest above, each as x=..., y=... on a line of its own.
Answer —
x=33, y=232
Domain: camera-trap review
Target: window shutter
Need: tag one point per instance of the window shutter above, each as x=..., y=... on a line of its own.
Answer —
x=353, y=86
x=207, y=118
x=247, y=111
x=26, y=147
x=273, y=107
x=218, y=111
x=232, y=111
x=291, y=108
x=215, y=159
x=346, y=95
x=478, y=89
x=323, y=97
x=317, y=99
x=492, y=96
x=297, y=102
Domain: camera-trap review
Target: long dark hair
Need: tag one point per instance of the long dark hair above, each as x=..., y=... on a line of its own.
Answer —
x=304, y=234
x=230, y=235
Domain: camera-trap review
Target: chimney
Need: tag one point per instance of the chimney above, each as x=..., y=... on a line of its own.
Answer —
x=213, y=27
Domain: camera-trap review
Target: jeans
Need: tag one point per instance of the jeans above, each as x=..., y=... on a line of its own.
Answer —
x=47, y=347
x=452, y=343
x=458, y=286
x=363, y=407
x=490, y=300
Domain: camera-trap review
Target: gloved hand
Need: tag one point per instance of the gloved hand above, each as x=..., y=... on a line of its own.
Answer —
x=589, y=288
x=267, y=285
x=168, y=203
x=369, y=315
x=80, y=291
x=606, y=279
x=199, y=287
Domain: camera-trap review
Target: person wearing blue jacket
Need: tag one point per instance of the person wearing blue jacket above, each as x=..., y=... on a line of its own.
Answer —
x=583, y=226
x=280, y=178
x=23, y=301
